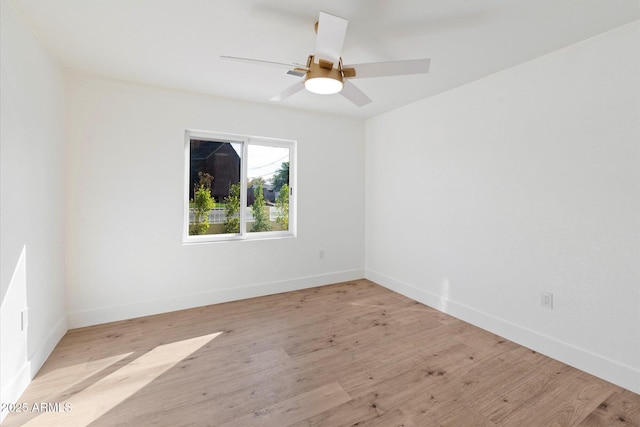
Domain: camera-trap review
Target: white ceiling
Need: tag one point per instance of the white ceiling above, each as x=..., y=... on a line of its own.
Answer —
x=177, y=43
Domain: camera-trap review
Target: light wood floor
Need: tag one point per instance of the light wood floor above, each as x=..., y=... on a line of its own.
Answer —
x=350, y=354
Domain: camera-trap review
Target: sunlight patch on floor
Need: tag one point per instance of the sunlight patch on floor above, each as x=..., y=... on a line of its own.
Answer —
x=97, y=399
x=88, y=369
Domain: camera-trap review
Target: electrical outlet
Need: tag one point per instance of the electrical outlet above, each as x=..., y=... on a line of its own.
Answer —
x=546, y=300
x=321, y=254
x=24, y=319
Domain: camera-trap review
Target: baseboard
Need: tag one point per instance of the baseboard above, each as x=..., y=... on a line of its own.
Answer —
x=100, y=315
x=18, y=384
x=14, y=388
x=617, y=373
x=44, y=351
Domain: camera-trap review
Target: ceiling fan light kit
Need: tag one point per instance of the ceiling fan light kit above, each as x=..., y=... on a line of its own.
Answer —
x=322, y=77
x=323, y=85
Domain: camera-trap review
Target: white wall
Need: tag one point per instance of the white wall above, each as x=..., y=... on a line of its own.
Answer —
x=481, y=198
x=32, y=125
x=124, y=249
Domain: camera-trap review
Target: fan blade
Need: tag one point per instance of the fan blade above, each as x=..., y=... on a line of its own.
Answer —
x=331, y=32
x=297, y=72
x=393, y=68
x=355, y=95
x=262, y=62
x=288, y=91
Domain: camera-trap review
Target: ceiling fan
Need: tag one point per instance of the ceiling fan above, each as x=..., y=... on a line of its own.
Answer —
x=324, y=72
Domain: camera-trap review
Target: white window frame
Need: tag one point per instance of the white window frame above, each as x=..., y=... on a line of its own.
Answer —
x=244, y=141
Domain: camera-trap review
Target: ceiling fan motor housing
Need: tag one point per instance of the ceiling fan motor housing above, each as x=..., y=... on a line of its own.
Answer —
x=322, y=78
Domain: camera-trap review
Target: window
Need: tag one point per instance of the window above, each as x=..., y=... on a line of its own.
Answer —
x=226, y=172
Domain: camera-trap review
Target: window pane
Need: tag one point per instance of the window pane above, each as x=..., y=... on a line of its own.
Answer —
x=214, y=193
x=268, y=188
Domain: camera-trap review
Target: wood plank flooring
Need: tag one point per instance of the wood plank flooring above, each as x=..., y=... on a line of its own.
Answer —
x=349, y=354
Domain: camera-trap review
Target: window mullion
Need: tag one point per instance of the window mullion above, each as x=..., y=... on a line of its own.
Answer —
x=243, y=188
x=293, y=190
